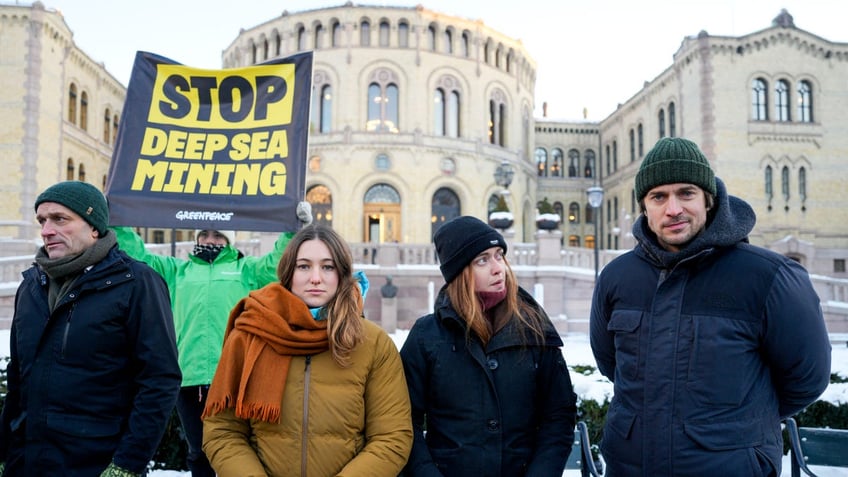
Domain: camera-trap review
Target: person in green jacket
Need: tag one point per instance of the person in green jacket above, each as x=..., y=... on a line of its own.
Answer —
x=204, y=288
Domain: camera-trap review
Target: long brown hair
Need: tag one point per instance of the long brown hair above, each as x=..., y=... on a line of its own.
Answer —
x=463, y=297
x=344, y=310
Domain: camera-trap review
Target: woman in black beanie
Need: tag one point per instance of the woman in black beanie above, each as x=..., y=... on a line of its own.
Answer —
x=486, y=375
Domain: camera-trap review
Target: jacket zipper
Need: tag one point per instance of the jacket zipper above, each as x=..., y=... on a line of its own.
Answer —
x=304, y=438
x=67, y=329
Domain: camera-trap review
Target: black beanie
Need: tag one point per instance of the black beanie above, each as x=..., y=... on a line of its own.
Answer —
x=673, y=160
x=461, y=239
x=82, y=198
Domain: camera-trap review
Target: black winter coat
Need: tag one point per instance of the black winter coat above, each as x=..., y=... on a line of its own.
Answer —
x=504, y=411
x=96, y=380
x=708, y=348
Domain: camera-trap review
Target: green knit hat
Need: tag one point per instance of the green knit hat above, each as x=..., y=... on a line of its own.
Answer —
x=673, y=160
x=81, y=197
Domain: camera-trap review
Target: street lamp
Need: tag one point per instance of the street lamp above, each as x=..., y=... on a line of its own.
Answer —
x=504, y=174
x=596, y=198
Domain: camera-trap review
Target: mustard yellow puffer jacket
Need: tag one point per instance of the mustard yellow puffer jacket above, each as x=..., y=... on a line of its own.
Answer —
x=357, y=420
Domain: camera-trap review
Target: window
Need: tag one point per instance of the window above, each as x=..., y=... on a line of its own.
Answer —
x=69, y=173
x=301, y=38
x=321, y=199
x=839, y=265
x=671, y=121
x=781, y=101
x=607, y=151
x=84, y=111
x=447, y=100
x=802, y=184
x=641, y=141
x=384, y=33
x=556, y=162
x=403, y=34
x=447, y=39
x=336, y=34
x=614, y=156
x=573, y=240
x=278, y=44
x=158, y=236
x=574, y=213
x=318, y=36
x=661, y=122
x=497, y=118
x=769, y=188
x=573, y=162
x=383, y=99
x=114, y=128
x=759, y=94
x=364, y=33
x=72, y=103
x=382, y=162
x=264, y=49
x=805, y=102
x=632, y=145
x=541, y=162
x=784, y=183
x=589, y=169
x=81, y=174
x=107, y=120
x=464, y=51
x=589, y=213
x=445, y=206
x=431, y=38
x=322, y=106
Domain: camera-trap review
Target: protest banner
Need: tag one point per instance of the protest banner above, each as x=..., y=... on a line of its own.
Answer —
x=212, y=149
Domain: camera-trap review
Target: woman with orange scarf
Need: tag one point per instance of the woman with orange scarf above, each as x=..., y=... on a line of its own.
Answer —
x=306, y=386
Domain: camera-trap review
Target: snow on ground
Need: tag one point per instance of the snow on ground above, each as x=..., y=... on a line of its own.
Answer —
x=596, y=387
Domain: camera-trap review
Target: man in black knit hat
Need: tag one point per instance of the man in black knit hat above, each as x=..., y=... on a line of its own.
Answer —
x=709, y=340
x=93, y=374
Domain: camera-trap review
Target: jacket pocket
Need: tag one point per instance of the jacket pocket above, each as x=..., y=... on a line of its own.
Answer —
x=719, y=436
x=81, y=426
x=625, y=324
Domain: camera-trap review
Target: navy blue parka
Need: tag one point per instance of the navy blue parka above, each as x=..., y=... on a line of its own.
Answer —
x=506, y=410
x=708, y=349
x=93, y=382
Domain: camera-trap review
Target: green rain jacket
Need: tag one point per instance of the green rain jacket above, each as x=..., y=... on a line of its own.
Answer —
x=202, y=295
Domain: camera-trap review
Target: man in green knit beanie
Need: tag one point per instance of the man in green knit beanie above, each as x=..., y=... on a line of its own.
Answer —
x=93, y=372
x=709, y=341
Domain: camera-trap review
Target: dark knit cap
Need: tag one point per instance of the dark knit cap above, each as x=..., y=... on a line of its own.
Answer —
x=674, y=160
x=461, y=239
x=82, y=198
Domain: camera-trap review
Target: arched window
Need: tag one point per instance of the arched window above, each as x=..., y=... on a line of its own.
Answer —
x=464, y=49
x=107, y=121
x=364, y=33
x=72, y=103
x=661, y=122
x=447, y=40
x=403, y=34
x=301, y=38
x=321, y=199
x=81, y=173
x=497, y=118
x=114, y=128
x=802, y=184
x=573, y=240
x=382, y=214
x=784, y=183
x=607, y=152
x=614, y=156
x=84, y=111
x=759, y=100
x=264, y=48
x=431, y=37
x=632, y=145
x=318, y=36
x=781, y=101
x=573, y=162
x=278, y=44
x=556, y=162
x=383, y=102
x=574, y=213
x=336, y=34
x=589, y=213
x=384, y=33
x=672, y=121
x=805, y=101
x=322, y=105
x=445, y=206
x=589, y=169
x=447, y=100
x=253, y=53
x=69, y=174
x=641, y=140
x=769, y=188
x=541, y=162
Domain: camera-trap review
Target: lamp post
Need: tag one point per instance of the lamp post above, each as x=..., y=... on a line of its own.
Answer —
x=503, y=175
x=596, y=198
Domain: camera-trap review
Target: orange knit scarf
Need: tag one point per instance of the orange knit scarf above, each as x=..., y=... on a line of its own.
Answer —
x=264, y=331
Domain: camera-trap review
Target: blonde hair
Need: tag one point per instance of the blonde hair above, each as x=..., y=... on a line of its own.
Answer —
x=344, y=310
x=463, y=297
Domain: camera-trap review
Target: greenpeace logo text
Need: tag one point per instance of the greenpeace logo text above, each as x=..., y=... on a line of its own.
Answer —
x=204, y=215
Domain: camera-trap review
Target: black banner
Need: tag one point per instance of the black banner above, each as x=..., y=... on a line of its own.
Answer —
x=212, y=149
